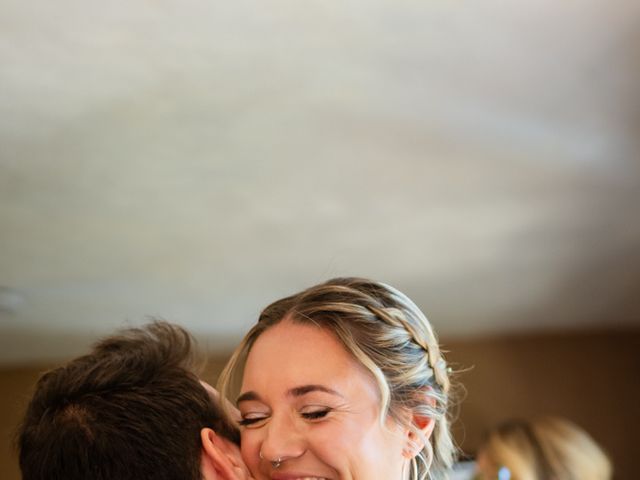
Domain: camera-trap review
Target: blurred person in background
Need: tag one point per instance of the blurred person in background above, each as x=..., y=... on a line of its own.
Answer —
x=545, y=448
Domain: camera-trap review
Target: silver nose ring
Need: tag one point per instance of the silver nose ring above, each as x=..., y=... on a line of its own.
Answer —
x=274, y=463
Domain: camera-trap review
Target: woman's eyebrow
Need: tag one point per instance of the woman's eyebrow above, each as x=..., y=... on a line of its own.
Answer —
x=294, y=392
x=248, y=396
x=304, y=389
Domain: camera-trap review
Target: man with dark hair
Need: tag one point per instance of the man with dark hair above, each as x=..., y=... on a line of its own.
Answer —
x=132, y=409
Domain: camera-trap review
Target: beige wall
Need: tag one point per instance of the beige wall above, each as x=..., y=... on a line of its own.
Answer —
x=590, y=378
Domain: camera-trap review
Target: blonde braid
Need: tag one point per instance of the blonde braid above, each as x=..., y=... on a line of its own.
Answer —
x=395, y=317
x=440, y=447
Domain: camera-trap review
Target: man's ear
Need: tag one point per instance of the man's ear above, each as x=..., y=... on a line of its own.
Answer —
x=220, y=458
x=421, y=428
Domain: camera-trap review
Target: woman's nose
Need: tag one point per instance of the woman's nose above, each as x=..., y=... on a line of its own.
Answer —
x=283, y=441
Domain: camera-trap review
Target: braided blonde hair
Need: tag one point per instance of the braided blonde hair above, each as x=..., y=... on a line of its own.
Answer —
x=389, y=335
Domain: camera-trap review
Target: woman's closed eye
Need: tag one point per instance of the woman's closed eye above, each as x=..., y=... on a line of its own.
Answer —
x=256, y=419
x=252, y=419
x=315, y=414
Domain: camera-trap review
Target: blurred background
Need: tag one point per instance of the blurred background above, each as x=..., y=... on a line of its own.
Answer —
x=197, y=160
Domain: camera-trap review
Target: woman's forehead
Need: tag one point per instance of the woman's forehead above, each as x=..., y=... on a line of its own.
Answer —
x=290, y=354
x=290, y=341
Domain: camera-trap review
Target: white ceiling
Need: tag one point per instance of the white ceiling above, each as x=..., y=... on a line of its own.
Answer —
x=197, y=160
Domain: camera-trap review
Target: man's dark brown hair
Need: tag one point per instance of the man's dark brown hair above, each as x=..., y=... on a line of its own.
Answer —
x=132, y=409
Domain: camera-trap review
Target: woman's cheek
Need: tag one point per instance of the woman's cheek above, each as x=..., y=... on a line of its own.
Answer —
x=250, y=452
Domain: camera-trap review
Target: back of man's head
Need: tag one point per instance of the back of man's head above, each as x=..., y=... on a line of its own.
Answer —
x=131, y=409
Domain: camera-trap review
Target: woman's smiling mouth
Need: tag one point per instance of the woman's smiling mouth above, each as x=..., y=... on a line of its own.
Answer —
x=295, y=476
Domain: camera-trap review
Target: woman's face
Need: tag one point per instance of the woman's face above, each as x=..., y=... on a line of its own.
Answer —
x=304, y=399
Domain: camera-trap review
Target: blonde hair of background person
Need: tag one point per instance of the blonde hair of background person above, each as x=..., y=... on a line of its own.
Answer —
x=545, y=448
x=383, y=331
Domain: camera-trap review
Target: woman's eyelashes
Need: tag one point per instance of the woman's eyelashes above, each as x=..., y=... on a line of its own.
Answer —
x=315, y=414
x=253, y=419
x=256, y=420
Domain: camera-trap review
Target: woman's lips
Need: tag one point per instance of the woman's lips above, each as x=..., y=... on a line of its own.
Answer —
x=295, y=476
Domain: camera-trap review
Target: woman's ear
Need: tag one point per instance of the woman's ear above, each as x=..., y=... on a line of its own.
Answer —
x=421, y=428
x=220, y=458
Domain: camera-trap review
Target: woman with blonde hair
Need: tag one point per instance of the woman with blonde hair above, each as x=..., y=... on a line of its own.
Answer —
x=344, y=380
x=546, y=448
